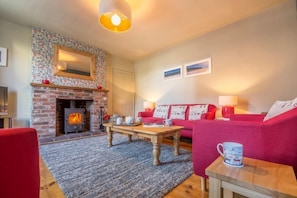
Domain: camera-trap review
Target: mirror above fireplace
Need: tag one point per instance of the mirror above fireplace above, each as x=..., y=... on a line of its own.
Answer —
x=73, y=63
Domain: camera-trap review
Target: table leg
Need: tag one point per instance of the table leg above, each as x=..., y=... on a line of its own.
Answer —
x=109, y=136
x=130, y=138
x=215, y=188
x=227, y=193
x=176, y=143
x=156, y=140
x=9, y=122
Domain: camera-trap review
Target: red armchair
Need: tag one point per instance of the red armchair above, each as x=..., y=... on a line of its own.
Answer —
x=19, y=163
x=273, y=140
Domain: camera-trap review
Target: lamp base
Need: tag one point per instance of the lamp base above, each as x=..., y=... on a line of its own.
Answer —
x=227, y=111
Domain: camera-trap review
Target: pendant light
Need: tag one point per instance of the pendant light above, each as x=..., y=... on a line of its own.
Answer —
x=115, y=15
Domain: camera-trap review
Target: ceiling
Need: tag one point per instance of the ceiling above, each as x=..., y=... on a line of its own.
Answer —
x=156, y=24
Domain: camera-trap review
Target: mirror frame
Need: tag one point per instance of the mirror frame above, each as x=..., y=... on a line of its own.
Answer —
x=58, y=72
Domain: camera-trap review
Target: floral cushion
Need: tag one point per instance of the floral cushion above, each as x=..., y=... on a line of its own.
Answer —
x=161, y=111
x=178, y=112
x=280, y=107
x=196, y=111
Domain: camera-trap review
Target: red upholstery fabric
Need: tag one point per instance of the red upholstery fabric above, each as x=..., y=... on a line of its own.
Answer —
x=247, y=117
x=19, y=163
x=274, y=140
x=188, y=124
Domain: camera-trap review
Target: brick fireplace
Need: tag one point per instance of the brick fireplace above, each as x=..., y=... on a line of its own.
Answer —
x=44, y=117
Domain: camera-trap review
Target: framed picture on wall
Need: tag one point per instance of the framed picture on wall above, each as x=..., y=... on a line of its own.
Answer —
x=173, y=73
x=198, y=68
x=3, y=57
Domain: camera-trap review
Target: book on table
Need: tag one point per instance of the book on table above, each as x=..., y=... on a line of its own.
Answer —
x=146, y=124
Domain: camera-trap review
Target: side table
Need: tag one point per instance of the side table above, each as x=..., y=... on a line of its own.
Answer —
x=2, y=121
x=257, y=178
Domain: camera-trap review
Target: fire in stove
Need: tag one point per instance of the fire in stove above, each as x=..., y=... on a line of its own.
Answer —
x=74, y=119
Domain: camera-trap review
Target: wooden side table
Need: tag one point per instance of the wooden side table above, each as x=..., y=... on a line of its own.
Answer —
x=2, y=120
x=257, y=178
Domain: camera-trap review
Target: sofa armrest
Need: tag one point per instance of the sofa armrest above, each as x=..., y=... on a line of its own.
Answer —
x=208, y=116
x=145, y=114
x=19, y=167
x=247, y=117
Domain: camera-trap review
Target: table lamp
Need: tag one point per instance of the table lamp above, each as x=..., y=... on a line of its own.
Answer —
x=148, y=106
x=227, y=103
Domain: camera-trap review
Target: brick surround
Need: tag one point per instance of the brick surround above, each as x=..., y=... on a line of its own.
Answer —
x=44, y=99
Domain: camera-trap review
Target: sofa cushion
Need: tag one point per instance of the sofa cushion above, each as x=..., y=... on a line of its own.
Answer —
x=178, y=112
x=280, y=107
x=196, y=111
x=161, y=111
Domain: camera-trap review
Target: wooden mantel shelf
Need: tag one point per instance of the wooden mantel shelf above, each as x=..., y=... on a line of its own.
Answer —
x=67, y=87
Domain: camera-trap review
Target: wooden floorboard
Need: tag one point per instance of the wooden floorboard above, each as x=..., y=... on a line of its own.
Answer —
x=48, y=185
x=190, y=188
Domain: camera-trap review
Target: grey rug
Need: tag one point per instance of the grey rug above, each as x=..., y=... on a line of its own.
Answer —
x=89, y=168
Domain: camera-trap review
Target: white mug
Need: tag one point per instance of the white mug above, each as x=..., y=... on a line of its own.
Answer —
x=139, y=119
x=119, y=120
x=129, y=120
x=232, y=153
x=167, y=122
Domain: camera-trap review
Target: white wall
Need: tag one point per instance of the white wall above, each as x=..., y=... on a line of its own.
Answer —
x=17, y=75
x=254, y=59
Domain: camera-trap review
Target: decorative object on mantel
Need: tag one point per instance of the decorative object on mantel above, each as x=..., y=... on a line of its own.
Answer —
x=3, y=56
x=67, y=87
x=45, y=81
x=99, y=87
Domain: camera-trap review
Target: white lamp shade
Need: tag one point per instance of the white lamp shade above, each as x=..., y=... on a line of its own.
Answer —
x=228, y=100
x=115, y=15
x=148, y=105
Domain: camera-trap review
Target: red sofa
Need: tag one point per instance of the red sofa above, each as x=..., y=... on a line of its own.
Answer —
x=19, y=163
x=273, y=140
x=147, y=117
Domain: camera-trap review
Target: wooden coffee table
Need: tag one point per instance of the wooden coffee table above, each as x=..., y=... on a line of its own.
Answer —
x=155, y=134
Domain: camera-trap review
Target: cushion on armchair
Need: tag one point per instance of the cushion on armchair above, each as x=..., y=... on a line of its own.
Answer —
x=280, y=107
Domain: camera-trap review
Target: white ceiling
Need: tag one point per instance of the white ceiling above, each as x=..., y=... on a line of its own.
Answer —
x=156, y=24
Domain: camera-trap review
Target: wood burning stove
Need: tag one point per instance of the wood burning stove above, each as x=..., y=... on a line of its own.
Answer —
x=74, y=119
